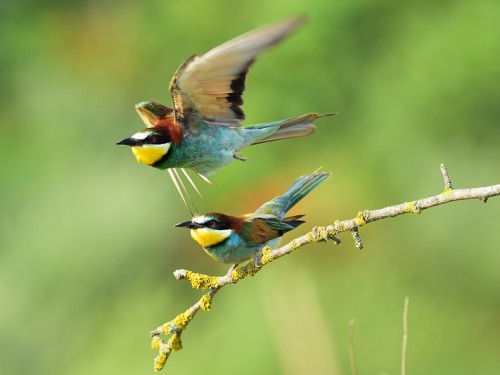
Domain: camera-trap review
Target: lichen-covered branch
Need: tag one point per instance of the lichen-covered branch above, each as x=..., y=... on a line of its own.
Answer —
x=213, y=284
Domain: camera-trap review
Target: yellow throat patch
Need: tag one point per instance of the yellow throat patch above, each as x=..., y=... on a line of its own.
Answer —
x=209, y=237
x=150, y=154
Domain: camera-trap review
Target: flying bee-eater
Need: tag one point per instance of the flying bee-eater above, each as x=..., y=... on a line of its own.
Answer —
x=204, y=131
x=237, y=239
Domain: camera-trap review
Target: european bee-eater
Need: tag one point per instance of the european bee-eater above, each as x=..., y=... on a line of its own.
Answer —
x=203, y=131
x=236, y=239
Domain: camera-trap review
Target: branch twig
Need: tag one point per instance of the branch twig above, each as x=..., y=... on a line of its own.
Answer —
x=405, y=335
x=352, y=354
x=446, y=178
x=176, y=326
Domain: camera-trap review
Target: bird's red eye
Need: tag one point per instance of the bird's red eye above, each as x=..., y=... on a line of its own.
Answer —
x=153, y=139
x=212, y=224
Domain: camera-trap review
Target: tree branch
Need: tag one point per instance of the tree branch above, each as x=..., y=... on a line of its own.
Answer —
x=213, y=284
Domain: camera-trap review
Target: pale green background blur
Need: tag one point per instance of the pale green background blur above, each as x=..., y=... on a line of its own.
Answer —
x=87, y=243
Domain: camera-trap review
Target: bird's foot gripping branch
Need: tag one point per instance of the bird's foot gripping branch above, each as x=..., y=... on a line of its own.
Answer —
x=212, y=284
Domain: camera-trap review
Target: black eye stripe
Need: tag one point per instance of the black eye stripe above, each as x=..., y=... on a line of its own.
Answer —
x=218, y=225
x=211, y=224
x=157, y=139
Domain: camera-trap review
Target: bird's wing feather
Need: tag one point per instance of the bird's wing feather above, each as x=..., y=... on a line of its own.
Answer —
x=262, y=228
x=257, y=230
x=211, y=86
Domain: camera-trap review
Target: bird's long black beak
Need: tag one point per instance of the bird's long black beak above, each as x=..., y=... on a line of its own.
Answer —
x=128, y=142
x=189, y=224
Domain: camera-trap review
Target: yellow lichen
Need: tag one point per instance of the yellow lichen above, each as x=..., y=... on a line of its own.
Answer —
x=175, y=342
x=267, y=255
x=316, y=235
x=294, y=245
x=206, y=302
x=410, y=208
x=201, y=281
x=160, y=360
x=249, y=269
x=447, y=190
x=156, y=343
x=237, y=275
x=360, y=219
x=321, y=233
x=182, y=320
x=177, y=324
x=309, y=238
x=166, y=328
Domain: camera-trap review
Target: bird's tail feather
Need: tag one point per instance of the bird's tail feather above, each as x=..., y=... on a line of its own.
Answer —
x=294, y=127
x=300, y=188
x=294, y=221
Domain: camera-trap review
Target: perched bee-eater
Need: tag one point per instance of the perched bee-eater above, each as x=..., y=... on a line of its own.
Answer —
x=236, y=239
x=203, y=131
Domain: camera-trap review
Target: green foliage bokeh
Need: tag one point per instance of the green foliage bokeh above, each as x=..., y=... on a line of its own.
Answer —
x=86, y=237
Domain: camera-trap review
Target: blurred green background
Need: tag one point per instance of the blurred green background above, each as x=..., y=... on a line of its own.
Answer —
x=87, y=243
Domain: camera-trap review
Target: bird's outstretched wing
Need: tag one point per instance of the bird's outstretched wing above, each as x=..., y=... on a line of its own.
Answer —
x=211, y=86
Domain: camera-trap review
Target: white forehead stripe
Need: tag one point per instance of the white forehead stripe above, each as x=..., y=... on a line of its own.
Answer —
x=202, y=219
x=140, y=136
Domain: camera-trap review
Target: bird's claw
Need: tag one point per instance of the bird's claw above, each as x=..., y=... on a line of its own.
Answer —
x=239, y=157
